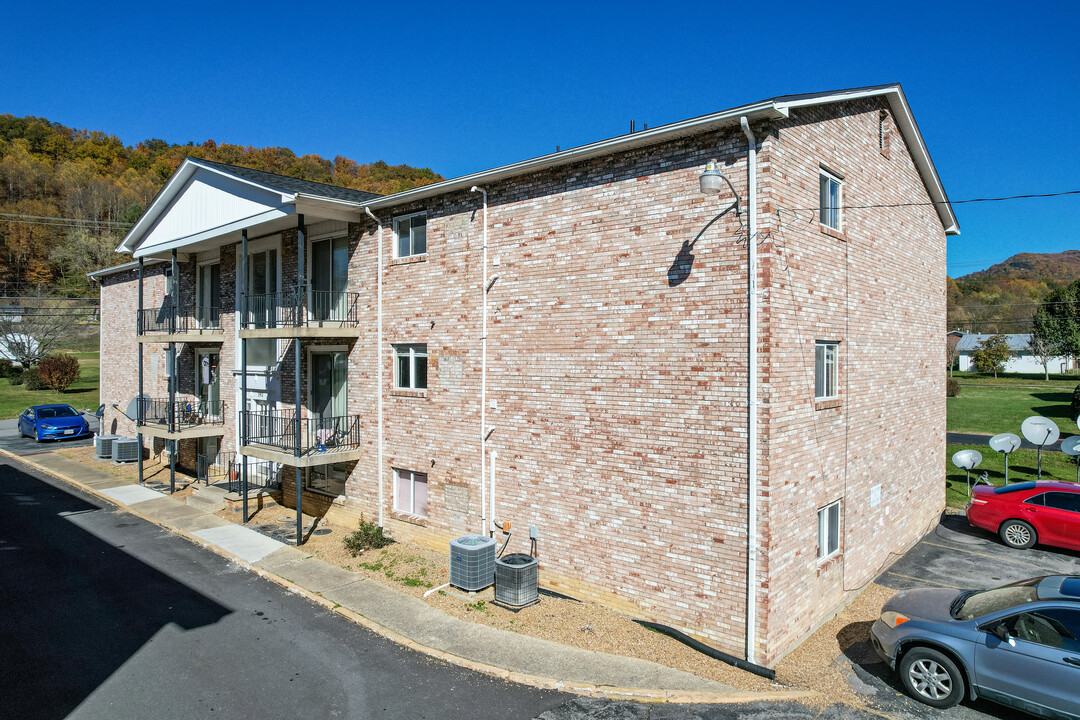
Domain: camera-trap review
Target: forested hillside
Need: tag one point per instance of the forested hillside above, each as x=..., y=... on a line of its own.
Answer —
x=1003, y=298
x=68, y=196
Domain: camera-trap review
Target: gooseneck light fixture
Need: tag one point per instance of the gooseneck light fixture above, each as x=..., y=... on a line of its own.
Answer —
x=712, y=182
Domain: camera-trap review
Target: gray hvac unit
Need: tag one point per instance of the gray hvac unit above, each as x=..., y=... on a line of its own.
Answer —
x=125, y=450
x=517, y=580
x=103, y=445
x=472, y=562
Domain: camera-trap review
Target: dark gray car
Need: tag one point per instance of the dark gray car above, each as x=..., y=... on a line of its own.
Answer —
x=1018, y=645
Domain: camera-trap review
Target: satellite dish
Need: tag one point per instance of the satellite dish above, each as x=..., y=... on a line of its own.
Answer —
x=1071, y=445
x=1005, y=442
x=1040, y=431
x=967, y=459
x=132, y=411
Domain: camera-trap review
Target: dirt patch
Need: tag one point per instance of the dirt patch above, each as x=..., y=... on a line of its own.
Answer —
x=154, y=471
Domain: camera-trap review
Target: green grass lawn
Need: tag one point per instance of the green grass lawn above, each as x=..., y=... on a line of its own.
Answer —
x=82, y=395
x=1023, y=465
x=996, y=409
x=1056, y=380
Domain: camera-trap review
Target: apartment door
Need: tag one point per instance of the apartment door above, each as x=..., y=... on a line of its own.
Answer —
x=208, y=306
x=329, y=276
x=263, y=301
x=208, y=382
x=328, y=395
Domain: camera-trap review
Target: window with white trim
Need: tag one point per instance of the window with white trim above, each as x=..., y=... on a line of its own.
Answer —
x=410, y=367
x=830, y=196
x=828, y=530
x=410, y=492
x=826, y=369
x=411, y=234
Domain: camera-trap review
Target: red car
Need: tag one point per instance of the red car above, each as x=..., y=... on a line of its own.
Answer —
x=1027, y=513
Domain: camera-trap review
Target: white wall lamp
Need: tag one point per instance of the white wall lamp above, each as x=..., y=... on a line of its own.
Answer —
x=712, y=182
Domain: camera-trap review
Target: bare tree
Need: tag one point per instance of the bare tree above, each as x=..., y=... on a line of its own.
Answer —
x=1043, y=350
x=37, y=326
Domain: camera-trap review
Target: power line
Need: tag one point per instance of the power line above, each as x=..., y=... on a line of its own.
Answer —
x=939, y=202
x=60, y=221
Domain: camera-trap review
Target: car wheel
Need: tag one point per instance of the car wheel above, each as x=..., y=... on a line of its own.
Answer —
x=37, y=435
x=932, y=678
x=1017, y=534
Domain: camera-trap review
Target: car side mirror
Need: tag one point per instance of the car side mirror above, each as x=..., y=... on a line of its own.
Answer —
x=1000, y=632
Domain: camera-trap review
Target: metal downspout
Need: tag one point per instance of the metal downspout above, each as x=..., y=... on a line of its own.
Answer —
x=172, y=370
x=244, y=287
x=378, y=362
x=751, y=400
x=488, y=524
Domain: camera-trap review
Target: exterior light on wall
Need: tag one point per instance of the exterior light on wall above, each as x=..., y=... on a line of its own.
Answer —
x=712, y=182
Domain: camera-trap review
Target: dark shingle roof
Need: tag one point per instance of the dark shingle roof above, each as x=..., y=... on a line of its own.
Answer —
x=290, y=185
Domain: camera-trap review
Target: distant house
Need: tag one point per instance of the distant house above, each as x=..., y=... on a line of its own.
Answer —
x=1022, y=360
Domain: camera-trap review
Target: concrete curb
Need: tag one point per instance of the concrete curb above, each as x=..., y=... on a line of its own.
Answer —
x=584, y=689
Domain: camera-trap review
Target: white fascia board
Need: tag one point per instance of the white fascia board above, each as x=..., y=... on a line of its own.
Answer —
x=758, y=111
x=163, y=200
x=905, y=121
x=96, y=275
x=328, y=208
x=235, y=226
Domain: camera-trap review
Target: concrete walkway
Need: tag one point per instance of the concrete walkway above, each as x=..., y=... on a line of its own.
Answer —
x=399, y=616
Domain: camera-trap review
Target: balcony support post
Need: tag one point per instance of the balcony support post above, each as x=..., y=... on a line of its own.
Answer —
x=172, y=370
x=300, y=274
x=242, y=414
x=139, y=400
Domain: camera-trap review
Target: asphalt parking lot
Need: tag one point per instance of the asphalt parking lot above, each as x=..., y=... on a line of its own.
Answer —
x=10, y=440
x=953, y=555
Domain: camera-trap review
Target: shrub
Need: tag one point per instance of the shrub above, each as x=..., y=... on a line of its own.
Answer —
x=952, y=388
x=6, y=368
x=367, y=537
x=1076, y=401
x=30, y=379
x=16, y=377
x=59, y=372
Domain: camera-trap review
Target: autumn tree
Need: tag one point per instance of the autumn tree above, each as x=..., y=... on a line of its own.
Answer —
x=1043, y=350
x=59, y=372
x=992, y=354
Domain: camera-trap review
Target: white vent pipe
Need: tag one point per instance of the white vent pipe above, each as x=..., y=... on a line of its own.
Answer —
x=494, y=456
x=378, y=363
x=751, y=401
x=484, y=288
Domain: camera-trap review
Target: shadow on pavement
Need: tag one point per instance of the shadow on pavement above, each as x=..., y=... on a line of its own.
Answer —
x=74, y=608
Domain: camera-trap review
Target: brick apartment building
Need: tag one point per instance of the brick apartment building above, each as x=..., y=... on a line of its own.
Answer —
x=609, y=403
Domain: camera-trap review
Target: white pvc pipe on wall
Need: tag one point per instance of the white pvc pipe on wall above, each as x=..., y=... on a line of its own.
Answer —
x=483, y=368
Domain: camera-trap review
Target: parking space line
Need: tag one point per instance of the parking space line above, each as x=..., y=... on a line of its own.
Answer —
x=970, y=552
x=922, y=580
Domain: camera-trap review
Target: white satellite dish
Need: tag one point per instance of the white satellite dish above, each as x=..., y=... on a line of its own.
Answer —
x=967, y=459
x=1071, y=445
x=1005, y=443
x=132, y=411
x=1040, y=431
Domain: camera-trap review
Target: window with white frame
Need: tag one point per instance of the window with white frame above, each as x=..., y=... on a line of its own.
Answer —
x=828, y=530
x=410, y=492
x=411, y=234
x=826, y=369
x=410, y=367
x=830, y=200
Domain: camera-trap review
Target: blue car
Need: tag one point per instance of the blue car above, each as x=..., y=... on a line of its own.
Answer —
x=1018, y=645
x=52, y=422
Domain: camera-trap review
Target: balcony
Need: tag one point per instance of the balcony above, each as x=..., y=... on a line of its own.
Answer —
x=300, y=313
x=182, y=419
x=188, y=324
x=323, y=440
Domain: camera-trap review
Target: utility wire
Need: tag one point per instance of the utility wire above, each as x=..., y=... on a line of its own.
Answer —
x=938, y=202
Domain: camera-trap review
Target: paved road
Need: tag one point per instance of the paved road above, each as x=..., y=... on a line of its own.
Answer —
x=10, y=440
x=108, y=616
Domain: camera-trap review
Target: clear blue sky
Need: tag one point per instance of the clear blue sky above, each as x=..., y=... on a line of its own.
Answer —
x=466, y=86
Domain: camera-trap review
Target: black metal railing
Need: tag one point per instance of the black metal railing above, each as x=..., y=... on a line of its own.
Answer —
x=278, y=430
x=298, y=307
x=185, y=320
x=262, y=474
x=182, y=413
x=212, y=471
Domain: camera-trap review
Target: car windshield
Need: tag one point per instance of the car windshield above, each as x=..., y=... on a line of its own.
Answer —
x=56, y=412
x=972, y=604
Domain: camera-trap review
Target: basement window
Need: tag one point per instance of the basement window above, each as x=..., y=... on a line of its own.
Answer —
x=410, y=492
x=410, y=232
x=828, y=530
x=830, y=196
